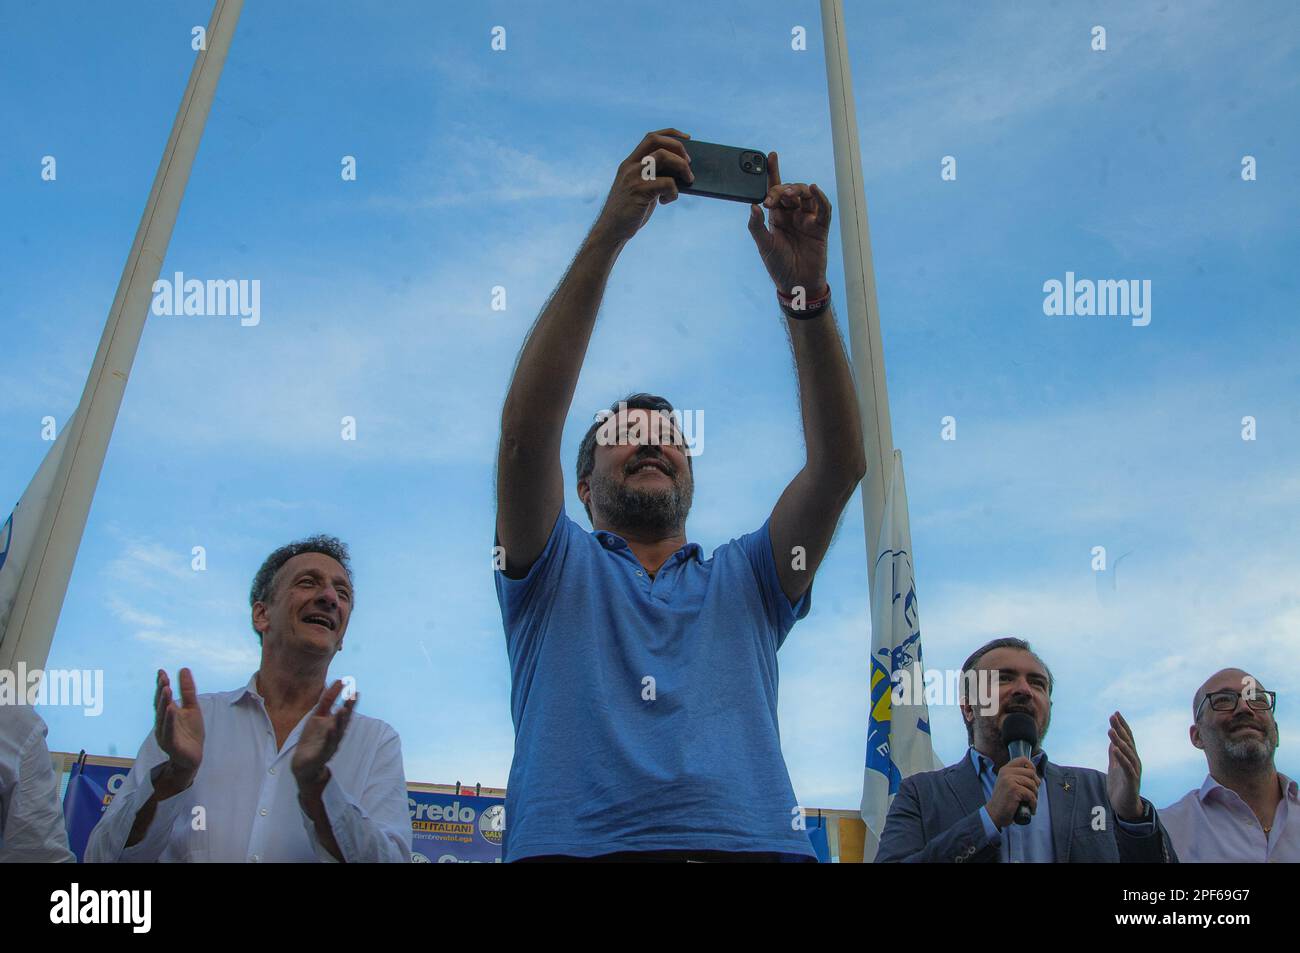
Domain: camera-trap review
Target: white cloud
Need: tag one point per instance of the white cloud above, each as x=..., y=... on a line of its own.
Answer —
x=146, y=572
x=215, y=651
x=132, y=616
x=476, y=170
x=149, y=564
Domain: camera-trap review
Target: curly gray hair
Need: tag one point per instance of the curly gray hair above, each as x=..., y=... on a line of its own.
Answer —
x=262, y=589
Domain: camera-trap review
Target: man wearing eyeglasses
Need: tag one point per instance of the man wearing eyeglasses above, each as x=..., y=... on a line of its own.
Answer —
x=1246, y=811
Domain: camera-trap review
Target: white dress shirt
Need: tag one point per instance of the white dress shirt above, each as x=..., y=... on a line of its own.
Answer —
x=31, y=821
x=1214, y=825
x=249, y=799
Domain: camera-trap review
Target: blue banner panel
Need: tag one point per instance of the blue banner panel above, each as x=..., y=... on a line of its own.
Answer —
x=90, y=788
x=456, y=828
x=819, y=834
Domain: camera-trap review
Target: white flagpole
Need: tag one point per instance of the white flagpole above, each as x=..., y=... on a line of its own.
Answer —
x=47, y=566
x=892, y=747
x=860, y=282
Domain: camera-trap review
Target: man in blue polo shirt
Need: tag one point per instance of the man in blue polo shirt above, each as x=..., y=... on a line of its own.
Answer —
x=644, y=675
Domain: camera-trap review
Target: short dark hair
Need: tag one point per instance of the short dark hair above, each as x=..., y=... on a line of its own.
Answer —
x=331, y=546
x=1006, y=642
x=587, y=448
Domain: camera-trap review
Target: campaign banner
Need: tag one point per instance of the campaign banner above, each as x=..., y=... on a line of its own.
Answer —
x=445, y=828
x=90, y=789
x=455, y=828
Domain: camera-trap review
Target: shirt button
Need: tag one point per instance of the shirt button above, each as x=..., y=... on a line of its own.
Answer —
x=640, y=573
x=263, y=812
x=255, y=859
x=273, y=770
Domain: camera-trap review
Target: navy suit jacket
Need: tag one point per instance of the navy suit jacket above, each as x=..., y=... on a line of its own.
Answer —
x=935, y=818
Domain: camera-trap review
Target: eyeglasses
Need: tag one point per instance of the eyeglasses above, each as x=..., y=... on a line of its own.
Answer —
x=1226, y=700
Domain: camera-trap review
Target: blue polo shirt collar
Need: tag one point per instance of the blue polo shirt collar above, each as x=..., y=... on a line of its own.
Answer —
x=613, y=542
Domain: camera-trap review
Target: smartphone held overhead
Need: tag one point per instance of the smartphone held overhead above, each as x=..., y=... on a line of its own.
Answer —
x=726, y=172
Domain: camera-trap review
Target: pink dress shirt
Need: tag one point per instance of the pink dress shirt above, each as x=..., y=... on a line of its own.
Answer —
x=1214, y=825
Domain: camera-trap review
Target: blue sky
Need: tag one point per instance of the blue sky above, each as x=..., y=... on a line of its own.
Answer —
x=478, y=169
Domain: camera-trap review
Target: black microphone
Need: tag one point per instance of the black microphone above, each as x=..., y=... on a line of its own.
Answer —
x=1020, y=734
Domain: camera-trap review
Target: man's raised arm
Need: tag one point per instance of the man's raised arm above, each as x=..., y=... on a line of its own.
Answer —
x=530, y=481
x=793, y=249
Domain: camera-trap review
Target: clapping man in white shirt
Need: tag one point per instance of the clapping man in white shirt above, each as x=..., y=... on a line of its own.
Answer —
x=271, y=771
x=1246, y=811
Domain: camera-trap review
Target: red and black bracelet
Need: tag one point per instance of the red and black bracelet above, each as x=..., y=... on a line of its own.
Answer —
x=810, y=309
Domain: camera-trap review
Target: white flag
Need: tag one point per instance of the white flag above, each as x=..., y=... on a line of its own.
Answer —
x=18, y=533
x=44, y=533
x=898, y=735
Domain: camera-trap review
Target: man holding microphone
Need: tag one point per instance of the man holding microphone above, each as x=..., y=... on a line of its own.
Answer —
x=967, y=812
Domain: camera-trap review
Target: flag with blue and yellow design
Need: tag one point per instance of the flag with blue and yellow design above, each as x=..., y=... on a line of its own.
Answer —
x=898, y=735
